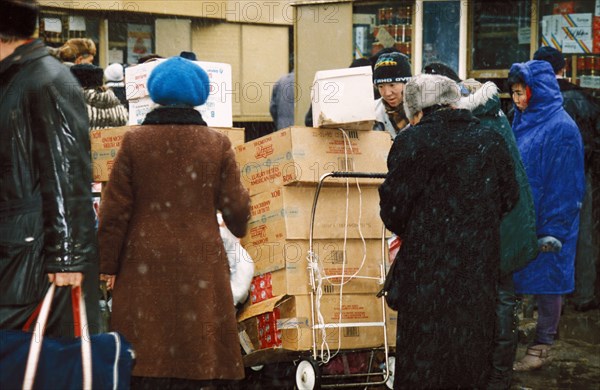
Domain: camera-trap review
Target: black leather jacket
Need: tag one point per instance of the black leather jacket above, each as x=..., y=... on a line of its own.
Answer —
x=46, y=215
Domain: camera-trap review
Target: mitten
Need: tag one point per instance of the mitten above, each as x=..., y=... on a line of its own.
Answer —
x=549, y=244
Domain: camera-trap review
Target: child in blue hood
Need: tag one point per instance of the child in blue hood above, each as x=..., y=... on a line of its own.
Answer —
x=552, y=152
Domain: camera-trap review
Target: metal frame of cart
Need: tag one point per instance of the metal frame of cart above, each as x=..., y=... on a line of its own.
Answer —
x=308, y=368
x=308, y=373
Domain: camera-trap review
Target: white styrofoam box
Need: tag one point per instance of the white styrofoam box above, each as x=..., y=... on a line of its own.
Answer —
x=577, y=46
x=136, y=79
x=552, y=40
x=217, y=111
x=578, y=33
x=138, y=109
x=344, y=98
x=576, y=20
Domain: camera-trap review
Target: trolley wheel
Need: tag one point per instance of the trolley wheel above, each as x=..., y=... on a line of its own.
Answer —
x=308, y=375
x=390, y=367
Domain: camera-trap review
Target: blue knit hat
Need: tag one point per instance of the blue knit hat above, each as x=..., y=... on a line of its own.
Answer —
x=178, y=81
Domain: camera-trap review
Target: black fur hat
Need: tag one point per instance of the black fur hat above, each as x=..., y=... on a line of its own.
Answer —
x=18, y=18
x=88, y=75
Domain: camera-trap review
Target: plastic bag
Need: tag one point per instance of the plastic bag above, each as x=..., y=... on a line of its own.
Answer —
x=241, y=265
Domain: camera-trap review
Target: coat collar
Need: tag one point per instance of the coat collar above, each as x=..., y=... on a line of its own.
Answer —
x=23, y=54
x=174, y=115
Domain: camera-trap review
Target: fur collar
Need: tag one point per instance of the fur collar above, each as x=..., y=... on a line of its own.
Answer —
x=480, y=98
x=174, y=115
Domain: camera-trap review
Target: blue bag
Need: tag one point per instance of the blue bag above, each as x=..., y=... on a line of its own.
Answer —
x=102, y=361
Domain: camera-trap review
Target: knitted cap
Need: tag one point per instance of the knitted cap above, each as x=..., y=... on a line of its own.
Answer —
x=114, y=72
x=178, y=81
x=426, y=90
x=392, y=68
x=551, y=55
x=18, y=18
x=88, y=75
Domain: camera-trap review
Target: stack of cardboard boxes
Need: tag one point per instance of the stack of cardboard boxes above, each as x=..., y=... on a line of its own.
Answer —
x=281, y=171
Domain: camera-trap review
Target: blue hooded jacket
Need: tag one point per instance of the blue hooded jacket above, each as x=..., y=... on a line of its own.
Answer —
x=552, y=152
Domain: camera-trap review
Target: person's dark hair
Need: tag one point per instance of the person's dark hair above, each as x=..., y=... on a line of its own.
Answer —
x=18, y=19
x=148, y=57
x=358, y=62
x=514, y=79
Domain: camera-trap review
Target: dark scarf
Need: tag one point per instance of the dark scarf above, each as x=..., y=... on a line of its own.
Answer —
x=396, y=115
x=174, y=115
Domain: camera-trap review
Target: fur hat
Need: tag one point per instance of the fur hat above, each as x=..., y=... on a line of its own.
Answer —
x=551, y=55
x=88, y=75
x=178, y=81
x=442, y=69
x=188, y=55
x=426, y=90
x=76, y=47
x=18, y=18
x=392, y=68
x=114, y=72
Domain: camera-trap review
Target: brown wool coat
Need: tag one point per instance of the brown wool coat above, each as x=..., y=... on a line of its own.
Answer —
x=158, y=233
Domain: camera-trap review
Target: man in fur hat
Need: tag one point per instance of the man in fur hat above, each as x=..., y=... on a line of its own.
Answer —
x=46, y=215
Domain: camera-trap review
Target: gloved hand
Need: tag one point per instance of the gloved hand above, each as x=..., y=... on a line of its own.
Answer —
x=549, y=244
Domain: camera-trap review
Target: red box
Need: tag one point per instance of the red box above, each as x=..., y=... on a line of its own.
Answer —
x=566, y=7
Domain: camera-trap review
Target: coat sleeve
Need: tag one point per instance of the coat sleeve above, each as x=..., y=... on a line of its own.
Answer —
x=507, y=180
x=115, y=211
x=233, y=199
x=61, y=149
x=403, y=185
x=562, y=174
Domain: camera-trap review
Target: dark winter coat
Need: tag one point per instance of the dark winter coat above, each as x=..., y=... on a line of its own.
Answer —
x=104, y=108
x=159, y=235
x=46, y=215
x=450, y=182
x=518, y=240
x=586, y=114
x=281, y=106
x=552, y=153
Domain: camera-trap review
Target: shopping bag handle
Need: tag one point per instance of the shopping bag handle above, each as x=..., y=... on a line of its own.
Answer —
x=35, y=348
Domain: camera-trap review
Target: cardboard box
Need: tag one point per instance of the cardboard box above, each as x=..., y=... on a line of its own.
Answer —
x=291, y=276
x=286, y=322
x=105, y=144
x=301, y=155
x=391, y=325
x=217, y=111
x=285, y=213
x=344, y=98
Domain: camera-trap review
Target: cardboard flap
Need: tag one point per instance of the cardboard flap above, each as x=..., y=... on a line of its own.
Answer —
x=263, y=307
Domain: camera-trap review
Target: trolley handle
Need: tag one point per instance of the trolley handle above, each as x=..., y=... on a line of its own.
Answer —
x=364, y=175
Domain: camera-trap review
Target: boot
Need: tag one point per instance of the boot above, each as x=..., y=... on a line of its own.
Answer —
x=506, y=338
x=534, y=359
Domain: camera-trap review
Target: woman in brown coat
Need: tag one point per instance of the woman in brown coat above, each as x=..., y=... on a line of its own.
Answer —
x=159, y=238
